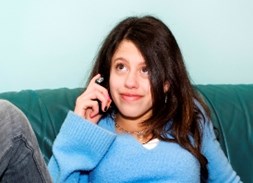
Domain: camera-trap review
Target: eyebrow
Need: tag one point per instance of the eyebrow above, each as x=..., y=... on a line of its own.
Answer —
x=120, y=58
x=125, y=60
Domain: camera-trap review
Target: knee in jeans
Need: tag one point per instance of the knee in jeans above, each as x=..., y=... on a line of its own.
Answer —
x=13, y=118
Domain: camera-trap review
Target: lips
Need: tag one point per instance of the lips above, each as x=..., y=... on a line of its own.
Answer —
x=130, y=97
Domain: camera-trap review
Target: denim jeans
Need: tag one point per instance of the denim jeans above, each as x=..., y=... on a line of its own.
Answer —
x=20, y=157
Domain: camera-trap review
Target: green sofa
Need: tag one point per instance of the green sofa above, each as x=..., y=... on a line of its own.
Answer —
x=231, y=107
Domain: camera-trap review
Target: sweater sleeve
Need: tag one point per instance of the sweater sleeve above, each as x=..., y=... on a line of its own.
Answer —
x=77, y=149
x=219, y=168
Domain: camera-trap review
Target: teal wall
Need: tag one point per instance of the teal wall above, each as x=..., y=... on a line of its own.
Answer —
x=51, y=43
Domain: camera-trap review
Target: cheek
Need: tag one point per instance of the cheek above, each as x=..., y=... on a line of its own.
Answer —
x=113, y=93
x=114, y=81
x=113, y=85
x=146, y=87
x=147, y=90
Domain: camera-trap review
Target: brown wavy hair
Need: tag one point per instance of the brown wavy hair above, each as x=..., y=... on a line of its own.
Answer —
x=165, y=64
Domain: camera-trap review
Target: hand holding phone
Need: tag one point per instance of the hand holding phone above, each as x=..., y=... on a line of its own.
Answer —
x=94, y=101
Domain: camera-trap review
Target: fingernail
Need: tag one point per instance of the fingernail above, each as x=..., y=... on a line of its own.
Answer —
x=91, y=116
x=108, y=105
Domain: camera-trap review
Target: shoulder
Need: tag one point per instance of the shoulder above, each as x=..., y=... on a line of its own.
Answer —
x=204, y=119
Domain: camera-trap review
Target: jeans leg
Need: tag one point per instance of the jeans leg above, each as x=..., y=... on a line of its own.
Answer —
x=20, y=156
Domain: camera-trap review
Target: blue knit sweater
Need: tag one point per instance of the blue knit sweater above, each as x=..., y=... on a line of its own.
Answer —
x=85, y=152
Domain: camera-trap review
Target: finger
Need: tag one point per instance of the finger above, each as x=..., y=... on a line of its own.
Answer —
x=92, y=110
x=105, y=100
x=81, y=107
x=84, y=102
x=91, y=117
x=93, y=80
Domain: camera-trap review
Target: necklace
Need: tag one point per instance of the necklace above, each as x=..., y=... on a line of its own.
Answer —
x=139, y=134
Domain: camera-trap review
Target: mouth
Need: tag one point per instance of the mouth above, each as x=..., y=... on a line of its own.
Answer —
x=130, y=97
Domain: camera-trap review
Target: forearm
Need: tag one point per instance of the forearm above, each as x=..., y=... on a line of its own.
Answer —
x=79, y=146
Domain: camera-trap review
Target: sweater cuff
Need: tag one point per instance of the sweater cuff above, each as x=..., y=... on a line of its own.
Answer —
x=84, y=134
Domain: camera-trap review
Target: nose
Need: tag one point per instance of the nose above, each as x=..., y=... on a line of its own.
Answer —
x=131, y=80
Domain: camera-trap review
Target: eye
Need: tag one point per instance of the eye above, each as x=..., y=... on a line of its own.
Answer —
x=144, y=70
x=120, y=67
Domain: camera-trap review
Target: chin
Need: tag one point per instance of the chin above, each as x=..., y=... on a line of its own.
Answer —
x=132, y=113
x=129, y=113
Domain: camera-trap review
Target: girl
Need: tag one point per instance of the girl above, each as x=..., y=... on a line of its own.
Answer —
x=144, y=122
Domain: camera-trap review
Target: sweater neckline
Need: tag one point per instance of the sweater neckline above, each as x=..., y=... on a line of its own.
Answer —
x=109, y=124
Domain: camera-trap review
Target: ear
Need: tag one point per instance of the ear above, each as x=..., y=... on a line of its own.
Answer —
x=166, y=86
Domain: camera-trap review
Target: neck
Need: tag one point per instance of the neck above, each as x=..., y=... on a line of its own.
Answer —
x=132, y=127
x=129, y=124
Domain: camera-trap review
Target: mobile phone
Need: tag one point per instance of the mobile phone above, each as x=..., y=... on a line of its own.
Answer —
x=100, y=81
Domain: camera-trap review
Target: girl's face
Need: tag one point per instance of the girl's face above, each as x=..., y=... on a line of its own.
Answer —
x=129, y=82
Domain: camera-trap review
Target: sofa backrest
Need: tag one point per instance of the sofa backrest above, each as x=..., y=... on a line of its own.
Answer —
x=231, y=107
x=46, y=110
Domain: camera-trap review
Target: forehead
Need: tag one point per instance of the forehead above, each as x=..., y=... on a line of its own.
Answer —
x=127, y=51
